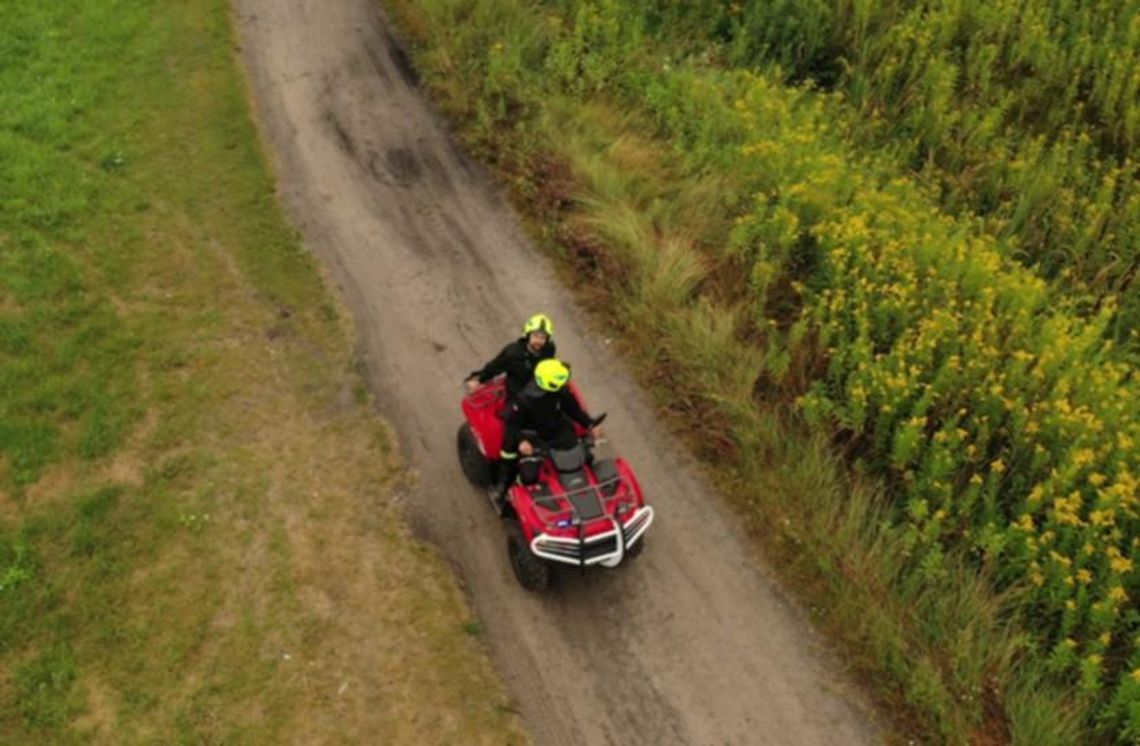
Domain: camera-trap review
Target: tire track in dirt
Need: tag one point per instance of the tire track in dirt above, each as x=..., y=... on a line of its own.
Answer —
x=692, y=643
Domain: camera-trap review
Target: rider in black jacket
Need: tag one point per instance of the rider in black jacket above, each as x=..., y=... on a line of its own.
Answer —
x=549, y=409
x=519, y=358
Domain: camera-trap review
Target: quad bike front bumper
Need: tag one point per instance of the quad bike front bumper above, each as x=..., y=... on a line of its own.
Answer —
x=607, y=548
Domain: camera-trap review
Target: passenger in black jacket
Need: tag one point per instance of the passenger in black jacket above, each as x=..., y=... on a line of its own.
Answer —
x=549, y=409
x=519, y=358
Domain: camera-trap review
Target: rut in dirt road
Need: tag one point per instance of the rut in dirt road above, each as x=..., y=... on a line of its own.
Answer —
x=689, y=644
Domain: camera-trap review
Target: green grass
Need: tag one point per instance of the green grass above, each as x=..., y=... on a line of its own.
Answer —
x=171, y=380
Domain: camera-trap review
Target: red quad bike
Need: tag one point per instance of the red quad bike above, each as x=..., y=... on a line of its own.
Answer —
x=579, y=512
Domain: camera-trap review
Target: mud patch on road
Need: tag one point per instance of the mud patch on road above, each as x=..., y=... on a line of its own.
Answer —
x=402, y=165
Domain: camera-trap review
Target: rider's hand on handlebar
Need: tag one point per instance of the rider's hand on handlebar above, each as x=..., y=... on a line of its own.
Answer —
x=597, y=432
x=472, y=385
x=525, y=448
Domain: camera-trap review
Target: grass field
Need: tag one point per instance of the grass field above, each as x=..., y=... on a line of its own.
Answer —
x=199, y=539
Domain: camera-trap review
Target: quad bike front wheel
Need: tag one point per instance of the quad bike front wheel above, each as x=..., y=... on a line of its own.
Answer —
x=531, y=572
x=476, y=467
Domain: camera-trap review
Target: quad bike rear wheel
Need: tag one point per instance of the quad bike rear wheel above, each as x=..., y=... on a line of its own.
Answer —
x=531, y=572
x=476, y=467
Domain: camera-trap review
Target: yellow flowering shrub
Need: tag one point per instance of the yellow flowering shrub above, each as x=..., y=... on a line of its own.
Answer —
x=968, y=380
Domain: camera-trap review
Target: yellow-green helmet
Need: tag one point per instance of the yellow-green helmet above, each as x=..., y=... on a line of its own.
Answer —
x=551, y=375
x=539, y=322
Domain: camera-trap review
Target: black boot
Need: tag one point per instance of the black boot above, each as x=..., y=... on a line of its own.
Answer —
x=498, y=491
x=498, y=494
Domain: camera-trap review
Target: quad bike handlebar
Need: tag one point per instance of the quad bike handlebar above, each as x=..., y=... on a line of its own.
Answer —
x=542, y=448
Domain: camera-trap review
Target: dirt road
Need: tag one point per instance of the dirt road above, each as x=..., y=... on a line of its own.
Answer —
x=690, y=644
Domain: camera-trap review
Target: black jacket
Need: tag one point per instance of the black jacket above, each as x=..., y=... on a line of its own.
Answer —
x=518, y=362
x=549, y=414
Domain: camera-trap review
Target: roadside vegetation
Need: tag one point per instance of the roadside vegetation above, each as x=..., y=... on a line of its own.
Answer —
x=924, y=386
x=1025, y=117
x=200, y=536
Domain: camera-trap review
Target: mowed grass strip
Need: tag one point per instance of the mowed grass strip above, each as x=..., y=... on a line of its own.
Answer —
x=199, y=535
